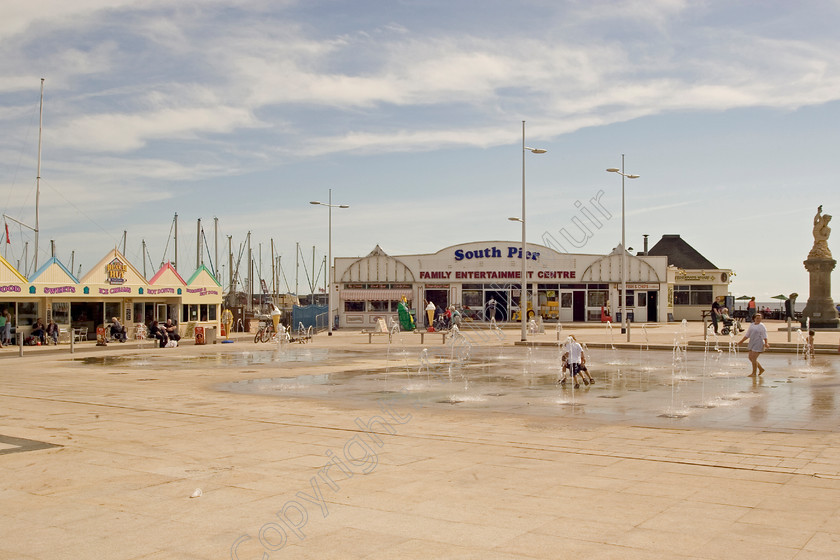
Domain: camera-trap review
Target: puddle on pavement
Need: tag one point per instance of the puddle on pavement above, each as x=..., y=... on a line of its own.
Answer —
x=220, y=360
x=657, y=388
x=654, y=389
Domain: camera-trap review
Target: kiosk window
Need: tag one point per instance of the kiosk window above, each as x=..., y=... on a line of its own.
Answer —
x=378, y=305
x=61, y=312
x=472, y=298
x=596, y=298
x=354, y=306
x=693, y=295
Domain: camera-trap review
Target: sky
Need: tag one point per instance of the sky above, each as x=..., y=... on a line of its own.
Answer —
x=411, y=112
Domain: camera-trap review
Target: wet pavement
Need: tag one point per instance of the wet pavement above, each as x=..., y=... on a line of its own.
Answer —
x=646, y=387
x=341, y=449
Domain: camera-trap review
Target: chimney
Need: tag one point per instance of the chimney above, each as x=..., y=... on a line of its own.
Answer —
x=646, y=244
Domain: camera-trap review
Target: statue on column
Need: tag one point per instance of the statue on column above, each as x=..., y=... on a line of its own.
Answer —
x=820, y=311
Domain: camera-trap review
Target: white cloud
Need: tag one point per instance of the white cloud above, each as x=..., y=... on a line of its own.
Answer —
x=126, y=132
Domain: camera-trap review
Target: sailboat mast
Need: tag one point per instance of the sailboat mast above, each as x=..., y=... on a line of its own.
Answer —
x=198, y=244
x=176, y=242
x=231, y=287
x=38, y=177
x=216, y=264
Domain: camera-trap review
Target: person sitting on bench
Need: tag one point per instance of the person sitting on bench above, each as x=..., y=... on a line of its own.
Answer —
x=172, y=330
x=118, y=330
x=159, y=332
x=38, y=331
x=52, y=331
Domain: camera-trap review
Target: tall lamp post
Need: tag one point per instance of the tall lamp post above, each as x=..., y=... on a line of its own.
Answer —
x=330, y=206
x=625, y=322
x=523, y=308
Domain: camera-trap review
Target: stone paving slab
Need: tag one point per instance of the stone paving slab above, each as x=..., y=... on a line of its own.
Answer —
x=298, y=478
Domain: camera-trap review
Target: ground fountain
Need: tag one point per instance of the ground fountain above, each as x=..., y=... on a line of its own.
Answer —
x=654, y=387
x=679, y=357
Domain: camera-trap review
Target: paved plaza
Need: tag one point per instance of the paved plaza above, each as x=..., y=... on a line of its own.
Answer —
x=102, y=449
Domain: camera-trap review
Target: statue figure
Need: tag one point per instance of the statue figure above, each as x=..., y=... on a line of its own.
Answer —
x=820, y=249
x=821, y=229
x=406, y=320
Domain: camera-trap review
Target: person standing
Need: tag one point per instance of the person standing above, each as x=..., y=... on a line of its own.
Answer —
x=455, y=316
x=7, y=333
x=758, y=343
x=716, y=313
x=491, y=310
x=751, y=309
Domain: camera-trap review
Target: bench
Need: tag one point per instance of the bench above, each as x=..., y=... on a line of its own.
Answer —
x=424, y=333
x=371, y=334
x=381, y=328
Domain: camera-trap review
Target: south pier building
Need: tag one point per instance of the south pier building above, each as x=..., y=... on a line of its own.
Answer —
x=671, y=281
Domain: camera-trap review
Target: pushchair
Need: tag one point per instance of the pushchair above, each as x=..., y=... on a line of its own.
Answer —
x=442, y=323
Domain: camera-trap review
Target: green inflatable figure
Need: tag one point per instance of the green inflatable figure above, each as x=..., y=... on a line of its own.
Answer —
x=406, y=320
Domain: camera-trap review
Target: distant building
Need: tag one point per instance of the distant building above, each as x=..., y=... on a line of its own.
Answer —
x=696, y=281
x=671, y=281
x=112, y=288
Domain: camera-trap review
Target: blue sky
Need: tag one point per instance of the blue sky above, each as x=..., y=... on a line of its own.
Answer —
x=411, y=111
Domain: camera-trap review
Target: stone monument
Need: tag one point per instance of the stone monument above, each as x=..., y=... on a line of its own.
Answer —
x=819, y=264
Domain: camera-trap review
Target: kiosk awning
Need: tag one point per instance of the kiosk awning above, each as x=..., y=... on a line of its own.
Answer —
x=376, y=295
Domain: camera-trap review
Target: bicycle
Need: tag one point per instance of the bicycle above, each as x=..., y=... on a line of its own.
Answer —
x=265, y=332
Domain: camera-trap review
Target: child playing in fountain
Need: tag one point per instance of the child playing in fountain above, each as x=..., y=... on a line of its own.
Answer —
x=574, y=360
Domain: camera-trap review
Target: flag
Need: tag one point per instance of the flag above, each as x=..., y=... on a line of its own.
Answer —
x=8, y=241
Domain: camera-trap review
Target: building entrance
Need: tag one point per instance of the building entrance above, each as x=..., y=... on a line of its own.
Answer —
x=87, y=315
x=652, y=310
x=440, y=298
x=579, y=306
x=499, y=311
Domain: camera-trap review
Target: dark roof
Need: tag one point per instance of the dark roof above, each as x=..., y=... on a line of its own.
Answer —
x=680, y=253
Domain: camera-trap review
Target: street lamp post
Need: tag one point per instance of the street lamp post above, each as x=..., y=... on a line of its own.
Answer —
x=625, y=322
x=330, y=206
x=523, y=308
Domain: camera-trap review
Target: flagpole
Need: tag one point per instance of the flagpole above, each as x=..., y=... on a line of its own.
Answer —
x=38, y=178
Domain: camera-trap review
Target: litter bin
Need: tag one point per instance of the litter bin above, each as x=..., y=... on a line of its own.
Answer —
x=629, y=316
x=210, y=335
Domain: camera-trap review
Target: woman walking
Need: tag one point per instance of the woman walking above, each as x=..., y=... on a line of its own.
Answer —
x=757, y=335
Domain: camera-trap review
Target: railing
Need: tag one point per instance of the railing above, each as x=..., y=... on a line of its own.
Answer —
x=321, y=322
